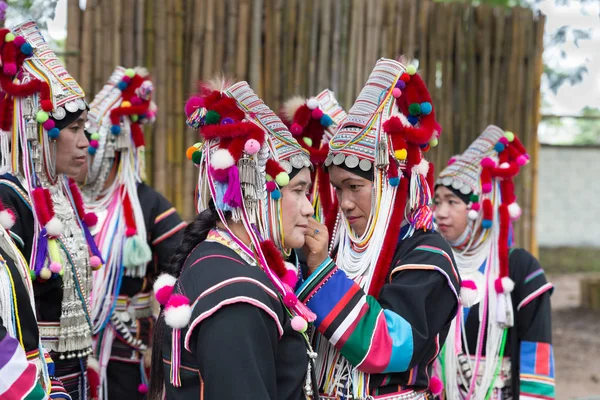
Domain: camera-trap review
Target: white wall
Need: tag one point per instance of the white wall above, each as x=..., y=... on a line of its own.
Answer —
x=568, y=196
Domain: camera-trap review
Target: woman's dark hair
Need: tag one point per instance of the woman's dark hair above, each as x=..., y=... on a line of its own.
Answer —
x=195, y=233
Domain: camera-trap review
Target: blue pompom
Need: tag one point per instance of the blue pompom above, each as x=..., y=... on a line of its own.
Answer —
x=122, y=85
x=395, y=181
x=499, y=147
x=26, y=49
x=326, y=121
x=115, y=129
x=413, y=120
x=275, y=194
x=91, y=150
x=53, y=133
x=424, y=145
x=426, y=108
x=486, y=224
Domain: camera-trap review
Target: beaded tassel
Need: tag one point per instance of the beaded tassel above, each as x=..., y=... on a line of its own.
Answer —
x=382, y=153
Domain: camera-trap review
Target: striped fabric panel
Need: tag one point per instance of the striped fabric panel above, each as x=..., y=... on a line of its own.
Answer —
x=18, y=377
x=529, y=298
x=437, y=250
x=534, y=275
x=330, y=106
x=537, y=371
x=169, y=233
x=165, y=214
x=372, y=339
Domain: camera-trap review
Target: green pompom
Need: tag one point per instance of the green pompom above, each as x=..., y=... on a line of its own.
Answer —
x=134, y=117
x=509, y=136
x=308, y=141
x=197, y=157
x=282, y=179
x=212, y=117
x=9, y=37
x=474, y=198
x=136, y=252
x=41, y=116
x=95, y=136
x=130, y=72
x=414, y=109
x=411, y=70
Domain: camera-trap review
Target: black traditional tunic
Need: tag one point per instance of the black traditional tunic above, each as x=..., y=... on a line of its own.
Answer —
x=529, y=341
x=239, y=343
x=165, y=230
x=395, y=337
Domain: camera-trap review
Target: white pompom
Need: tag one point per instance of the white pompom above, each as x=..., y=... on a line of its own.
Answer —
x=221, y=159
x=290, y=267
x=468, y=297
x=178, y=317
x=507, y=285
x=312, y=103
x=7, y=219
x=473, y=215
x=514, y=211
x=93, y=364
x=422, y=168
x=54, y=227
x=291, y=106
x=164, y=280
x=505, y=165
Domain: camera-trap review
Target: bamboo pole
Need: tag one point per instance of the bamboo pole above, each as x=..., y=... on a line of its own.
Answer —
x=161, y=168
x=87, y=54
x=127, y=44
x=256, y=46
x=314, y=42
x=150, y=63
x=209, y=42
x=74, y=20
x=241, y=67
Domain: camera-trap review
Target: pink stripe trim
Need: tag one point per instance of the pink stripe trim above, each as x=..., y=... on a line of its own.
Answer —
x=426, y=267
x=169, y=233
x=233, y=300
x=533, y=295
x=380, y=350
x=316, y=289
x=215, y=256
x=24, y=383
x=227, y=282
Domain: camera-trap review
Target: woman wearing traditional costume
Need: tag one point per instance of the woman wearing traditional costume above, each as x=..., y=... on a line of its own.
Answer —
x=137, y=231
x=385, y=299
x=43, y=141
x=243, y=335
x=500, y=344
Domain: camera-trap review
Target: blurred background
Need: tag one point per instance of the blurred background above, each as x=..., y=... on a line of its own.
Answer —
x=529, y=66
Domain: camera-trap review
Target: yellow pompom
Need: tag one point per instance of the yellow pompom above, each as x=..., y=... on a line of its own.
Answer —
x=268, y=177
x=308, y=141
x=411, y=70
x=433, y=142
x=282, y=179
x=509, y=136
x=125, y=104
x=400, y=154
x=198, y=145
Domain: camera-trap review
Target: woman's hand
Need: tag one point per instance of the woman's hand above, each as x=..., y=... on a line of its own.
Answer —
x=316, y=244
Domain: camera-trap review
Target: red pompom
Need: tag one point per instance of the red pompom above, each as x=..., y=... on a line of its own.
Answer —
x=47, y=105
x=90, y=219
x=436, y=386
x=142, y=388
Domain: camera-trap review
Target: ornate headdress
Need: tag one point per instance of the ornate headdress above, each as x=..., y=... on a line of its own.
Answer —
x=313, y=123
x=387, y=129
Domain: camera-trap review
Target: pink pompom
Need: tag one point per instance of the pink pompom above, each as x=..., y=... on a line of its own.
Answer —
x=296, y=129
x=49, y=124
x=177, y=300
x=271, y=186
x=476, y=206
x=451, y=161
x=488, y=163
x=317, y=113
x=290, y=299
x=55, y=267
x=503, y=140
x=220, y=174
x=299, y=324
x=135, y=101
x=468, y=284
x=436, y=386
x=486, y=187
x=95, y=262
x=252, y=146
x=129, y=232
x=163, y=294
x=192, y=104
x=290, y=277
x=10, y=69
x=396, y=92
x=19, y=41
x=142, y=388
x=521, y=160
x=94, y=143
x=126, y=79
x=90, y=219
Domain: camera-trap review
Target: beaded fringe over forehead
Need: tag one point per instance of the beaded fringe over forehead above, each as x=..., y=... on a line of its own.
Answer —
x=463, y=174
x=355, y=143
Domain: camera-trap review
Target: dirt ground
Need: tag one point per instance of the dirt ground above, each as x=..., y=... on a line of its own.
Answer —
x=576, y=338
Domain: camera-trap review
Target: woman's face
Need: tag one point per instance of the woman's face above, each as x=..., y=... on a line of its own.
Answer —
x=354, y=195
x=71, y=148
x=296, y=209
x=451, y=214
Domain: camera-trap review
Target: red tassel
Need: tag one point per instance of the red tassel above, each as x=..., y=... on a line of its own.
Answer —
x=273, y=168
x=391, y=240
x=503, y=240
x=77, y=199
x=41, y=208
x=517, y=143
x=431, y=178
x=6, y=113
x=486, y=180
x=302, y=116
x=273, y=257
x=128, y=213
x=508, y=191
x=488, y=210
x=9, y=57
x=138, y=135
x=505, y=173
x=236, y=148
x=324, y=190
x=16, y=90
x=227, y=108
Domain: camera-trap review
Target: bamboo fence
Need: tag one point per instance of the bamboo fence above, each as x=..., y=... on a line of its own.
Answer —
x=482, y=65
